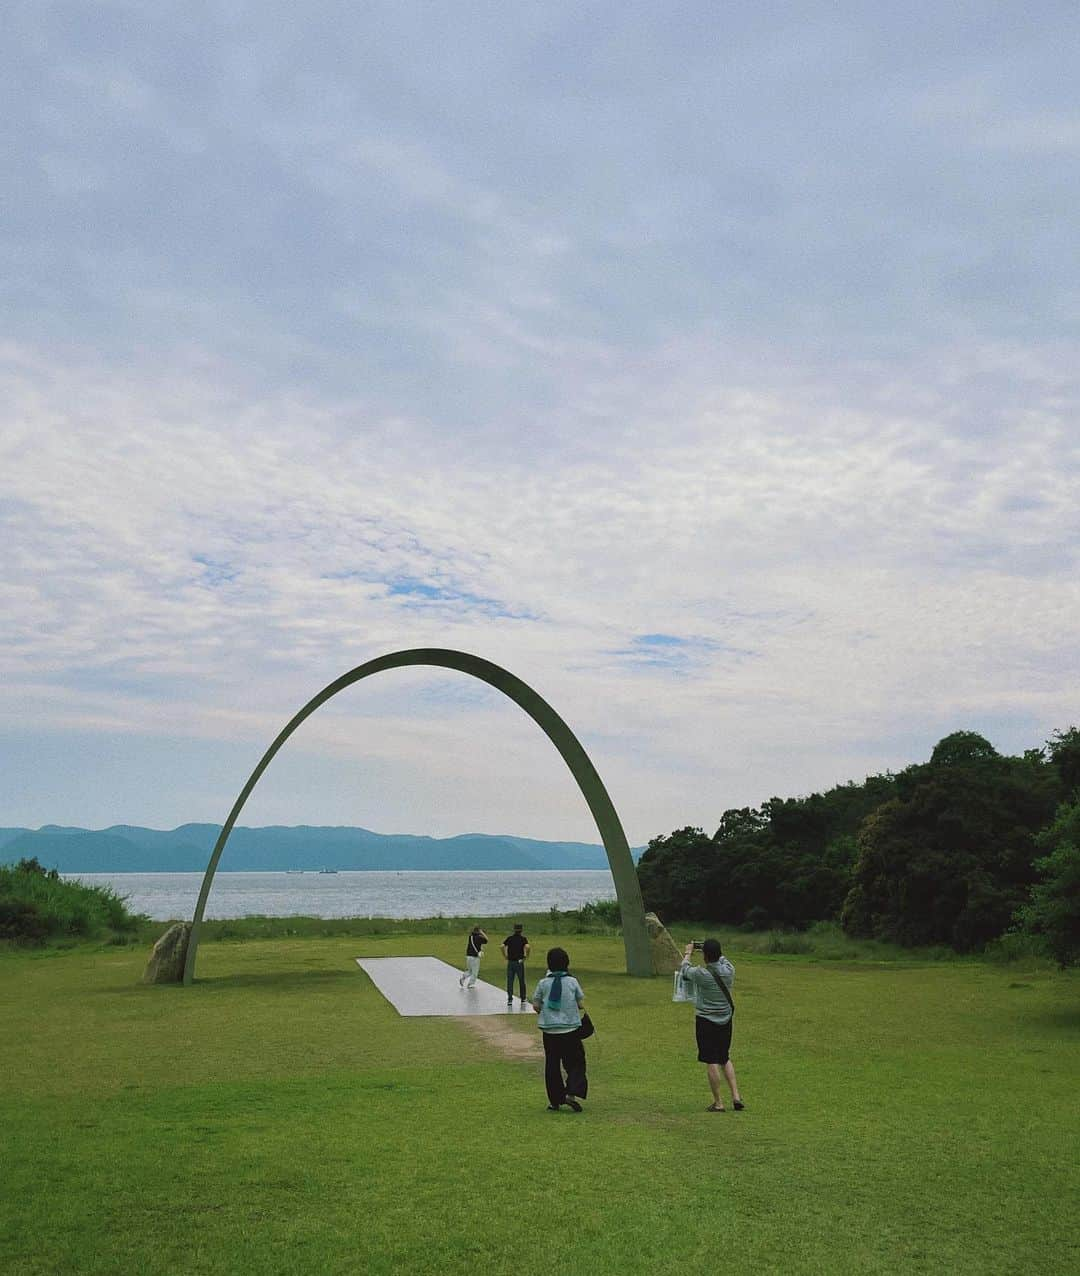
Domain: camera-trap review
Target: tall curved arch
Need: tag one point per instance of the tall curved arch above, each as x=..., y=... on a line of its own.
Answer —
x=635, y=936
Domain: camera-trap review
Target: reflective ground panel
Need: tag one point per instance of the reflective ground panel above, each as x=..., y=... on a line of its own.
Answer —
x=428, y=986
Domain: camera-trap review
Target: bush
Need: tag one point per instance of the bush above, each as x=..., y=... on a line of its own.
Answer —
x=20, y=921
x=784, y=942
x=37, y=905
x=601, y=913
x=1053, y=910
x=757, y=918
x=1015, y=946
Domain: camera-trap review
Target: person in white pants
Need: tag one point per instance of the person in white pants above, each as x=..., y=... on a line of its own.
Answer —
x=473, y=951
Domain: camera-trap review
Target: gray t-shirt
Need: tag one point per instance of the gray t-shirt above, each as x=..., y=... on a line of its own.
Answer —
x=709, y=1001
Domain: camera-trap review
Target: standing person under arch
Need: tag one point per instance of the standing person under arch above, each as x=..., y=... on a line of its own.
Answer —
x=474, y=949
x=515, y=948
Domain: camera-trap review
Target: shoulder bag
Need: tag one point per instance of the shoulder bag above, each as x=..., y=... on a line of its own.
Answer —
x=723, y=988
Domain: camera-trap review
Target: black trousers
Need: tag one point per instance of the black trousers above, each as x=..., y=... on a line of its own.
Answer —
x=564, y=1050
x=515, y=970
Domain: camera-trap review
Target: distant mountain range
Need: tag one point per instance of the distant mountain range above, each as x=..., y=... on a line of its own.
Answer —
x=125, y=848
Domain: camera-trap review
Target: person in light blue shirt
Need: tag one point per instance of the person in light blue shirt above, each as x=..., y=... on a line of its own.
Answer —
x=711, y=986
x=558, y=1001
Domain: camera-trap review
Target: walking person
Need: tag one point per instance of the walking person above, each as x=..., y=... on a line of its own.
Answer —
x=558, y=1001
x=474, y=948
x=515, y=948
x=714, y=1018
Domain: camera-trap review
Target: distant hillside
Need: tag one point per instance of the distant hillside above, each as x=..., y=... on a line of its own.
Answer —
x=126, y=848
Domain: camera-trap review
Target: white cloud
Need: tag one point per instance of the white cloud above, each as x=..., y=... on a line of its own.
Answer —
x=183, y=564
x=512, y=340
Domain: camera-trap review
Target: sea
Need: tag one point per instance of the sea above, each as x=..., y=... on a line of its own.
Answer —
x=165, y=896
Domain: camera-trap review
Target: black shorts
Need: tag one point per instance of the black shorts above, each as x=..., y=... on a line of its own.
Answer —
x=713, y=1040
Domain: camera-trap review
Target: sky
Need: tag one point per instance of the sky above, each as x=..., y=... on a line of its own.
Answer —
x=712, y=368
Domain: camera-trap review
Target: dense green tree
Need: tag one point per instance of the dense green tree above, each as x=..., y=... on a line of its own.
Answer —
x=1054, y=908
x=675, y=873
x=950, y=858
x=787, y=864
x=942, y=852
x=1064, y=750
x=962, y=748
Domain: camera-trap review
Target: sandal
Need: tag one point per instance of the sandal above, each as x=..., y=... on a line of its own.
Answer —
x=713, y=1108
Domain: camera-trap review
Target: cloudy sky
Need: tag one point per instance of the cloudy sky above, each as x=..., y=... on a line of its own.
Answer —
x=711, y=367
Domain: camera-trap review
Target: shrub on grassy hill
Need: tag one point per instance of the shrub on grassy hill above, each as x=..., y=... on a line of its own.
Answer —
x=1053, y=910
x=37, y=904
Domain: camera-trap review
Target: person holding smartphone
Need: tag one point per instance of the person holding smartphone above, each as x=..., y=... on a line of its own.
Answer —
x=714, y=1017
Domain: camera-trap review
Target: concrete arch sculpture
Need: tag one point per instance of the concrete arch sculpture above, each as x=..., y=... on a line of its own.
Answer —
x=635, y=935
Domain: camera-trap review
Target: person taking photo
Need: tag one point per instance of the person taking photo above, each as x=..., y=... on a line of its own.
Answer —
x=474, y=948
x=714, y=1017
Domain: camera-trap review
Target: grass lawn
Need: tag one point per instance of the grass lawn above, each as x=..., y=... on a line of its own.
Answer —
x=281, y=1117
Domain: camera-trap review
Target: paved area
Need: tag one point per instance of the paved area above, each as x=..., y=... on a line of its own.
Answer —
x=428, y=986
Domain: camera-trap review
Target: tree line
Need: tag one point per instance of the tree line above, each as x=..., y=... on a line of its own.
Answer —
x=955, y=851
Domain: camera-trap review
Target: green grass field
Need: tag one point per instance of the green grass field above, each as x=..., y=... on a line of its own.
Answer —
x=281, y=1117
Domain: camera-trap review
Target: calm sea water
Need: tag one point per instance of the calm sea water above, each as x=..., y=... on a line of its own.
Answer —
x=163, y=896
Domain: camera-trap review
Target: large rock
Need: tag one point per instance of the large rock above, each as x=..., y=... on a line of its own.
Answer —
x=166, y=964
x=666, y=954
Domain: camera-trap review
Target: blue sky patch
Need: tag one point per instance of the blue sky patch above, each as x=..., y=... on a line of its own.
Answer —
x=419, y=593
x=215, y=571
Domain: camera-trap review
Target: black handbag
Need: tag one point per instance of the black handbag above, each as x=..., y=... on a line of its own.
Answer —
x=587, y=1028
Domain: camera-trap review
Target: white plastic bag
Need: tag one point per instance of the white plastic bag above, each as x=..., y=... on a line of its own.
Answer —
x=681, y=990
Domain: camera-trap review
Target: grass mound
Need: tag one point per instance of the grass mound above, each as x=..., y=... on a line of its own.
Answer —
x=38, y=906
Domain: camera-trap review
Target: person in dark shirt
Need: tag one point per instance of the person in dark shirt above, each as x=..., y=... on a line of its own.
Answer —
x=515, y=948
x=474, y=947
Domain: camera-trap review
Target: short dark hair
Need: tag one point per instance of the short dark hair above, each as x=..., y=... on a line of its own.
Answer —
x=711, y=950
x=558, y=959
x=518, y=926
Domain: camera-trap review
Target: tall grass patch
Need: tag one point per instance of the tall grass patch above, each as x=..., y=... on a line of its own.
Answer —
x=37, y=906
